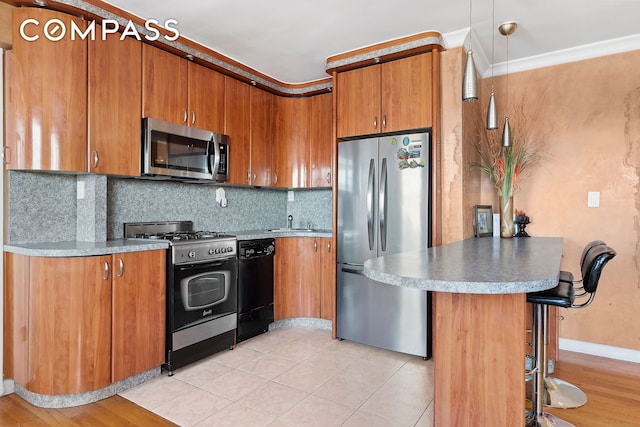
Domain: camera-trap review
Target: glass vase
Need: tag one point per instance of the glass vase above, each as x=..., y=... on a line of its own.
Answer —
x=506, y=217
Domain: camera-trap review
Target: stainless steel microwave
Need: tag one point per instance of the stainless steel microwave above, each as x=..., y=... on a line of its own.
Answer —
x=176, y=151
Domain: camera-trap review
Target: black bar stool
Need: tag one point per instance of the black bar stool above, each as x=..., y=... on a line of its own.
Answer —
x=594, y=257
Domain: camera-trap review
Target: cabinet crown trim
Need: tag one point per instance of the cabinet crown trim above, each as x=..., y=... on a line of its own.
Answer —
x=387, y=51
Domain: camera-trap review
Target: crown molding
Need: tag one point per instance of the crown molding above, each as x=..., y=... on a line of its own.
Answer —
x=564, y=56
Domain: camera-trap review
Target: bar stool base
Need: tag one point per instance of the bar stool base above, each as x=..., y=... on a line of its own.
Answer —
x=549, y=420
x=561, y=394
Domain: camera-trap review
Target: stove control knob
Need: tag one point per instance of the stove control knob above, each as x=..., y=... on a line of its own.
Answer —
x=192, y=254
x=217, y=250
x=211, y=251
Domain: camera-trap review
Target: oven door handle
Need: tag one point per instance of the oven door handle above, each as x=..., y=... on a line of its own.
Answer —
x=199, y=266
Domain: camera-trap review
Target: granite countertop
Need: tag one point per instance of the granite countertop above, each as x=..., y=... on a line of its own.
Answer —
x=485, y=265
x=74, y=248
x=265, y=234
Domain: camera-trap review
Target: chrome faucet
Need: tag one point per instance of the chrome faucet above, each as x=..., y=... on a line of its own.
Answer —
x=290, y=221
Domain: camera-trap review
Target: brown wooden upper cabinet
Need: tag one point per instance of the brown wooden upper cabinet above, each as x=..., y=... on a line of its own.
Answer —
x=303, y=139
x=180, y=91
x=114, y=105
x=322, y=142
x=46, y=98
x=248, y=120
x=388, y=97
x=291, y=142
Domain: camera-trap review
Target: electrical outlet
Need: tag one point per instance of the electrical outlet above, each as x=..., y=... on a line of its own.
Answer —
x=593, y=199
x=80, y=190
x=290, y=196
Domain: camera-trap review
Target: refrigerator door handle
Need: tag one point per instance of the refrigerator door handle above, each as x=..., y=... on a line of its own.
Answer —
x=370, y=185
x=382, y=205
x=353, y=271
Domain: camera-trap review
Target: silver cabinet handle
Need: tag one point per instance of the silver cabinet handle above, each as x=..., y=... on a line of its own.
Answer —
x=375, y=122
x=120, y=267
x=185, y=116
x=329, y=247
x=96, y=159
x=105, y=276
x=276, y=178
x=5, y=154
x=384, y=121
x=193, y=117
x=370, y=185
x=315, y=245
x=255, y=177
x=248, y=177
x=328, y=177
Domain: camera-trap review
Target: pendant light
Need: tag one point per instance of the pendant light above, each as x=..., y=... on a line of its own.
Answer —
x=506, y=29
x=469, y=79
x=492, y=110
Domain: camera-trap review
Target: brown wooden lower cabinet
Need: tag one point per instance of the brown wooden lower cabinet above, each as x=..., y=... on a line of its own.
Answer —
x=304, y=279
x=137, y=313
x=76, y=324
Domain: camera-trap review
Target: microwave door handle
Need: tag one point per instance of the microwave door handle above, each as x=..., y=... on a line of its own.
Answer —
x=215, y=159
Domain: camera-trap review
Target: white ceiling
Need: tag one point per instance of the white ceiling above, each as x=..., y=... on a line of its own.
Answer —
x=290, y=40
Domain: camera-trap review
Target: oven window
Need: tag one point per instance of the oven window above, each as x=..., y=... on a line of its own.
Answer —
x=204, y=290
x=178, y=152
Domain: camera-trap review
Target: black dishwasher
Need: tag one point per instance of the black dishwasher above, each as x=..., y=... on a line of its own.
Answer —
x=255, y=287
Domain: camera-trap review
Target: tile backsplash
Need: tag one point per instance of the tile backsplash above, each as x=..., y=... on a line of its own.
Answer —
x=45, y=207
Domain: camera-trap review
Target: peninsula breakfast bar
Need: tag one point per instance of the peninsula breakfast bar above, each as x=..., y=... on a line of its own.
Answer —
x=479, y=310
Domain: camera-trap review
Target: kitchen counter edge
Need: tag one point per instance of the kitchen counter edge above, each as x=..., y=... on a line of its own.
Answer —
x=78, y=249
x=454, y=267
x=265, y=234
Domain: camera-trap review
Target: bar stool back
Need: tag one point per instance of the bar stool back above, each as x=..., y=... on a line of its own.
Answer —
x=556, y=392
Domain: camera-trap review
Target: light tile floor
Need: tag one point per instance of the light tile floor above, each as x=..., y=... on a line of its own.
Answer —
x=295, y=377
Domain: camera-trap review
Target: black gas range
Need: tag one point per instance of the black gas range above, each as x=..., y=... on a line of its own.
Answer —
x=202, y=271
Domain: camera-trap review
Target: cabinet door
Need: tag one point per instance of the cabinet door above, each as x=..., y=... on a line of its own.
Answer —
x=321, y=141
x=69, y=325
x=164, y=85
x=261, y=136
x=291, y=143
x=138, y=312
x=296, y=293
x=407, y=93
x=237, y=124
x=46, y=98
x=114, y=104
x=206, y=98
x=358, y=101
x=327, y=279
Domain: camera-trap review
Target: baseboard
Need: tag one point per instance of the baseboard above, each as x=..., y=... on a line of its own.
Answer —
x=8, y=387
x=601, y=350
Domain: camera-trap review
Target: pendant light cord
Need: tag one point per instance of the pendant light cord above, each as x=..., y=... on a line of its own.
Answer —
x=507, y=76
x=470, y=35
x=493, y=37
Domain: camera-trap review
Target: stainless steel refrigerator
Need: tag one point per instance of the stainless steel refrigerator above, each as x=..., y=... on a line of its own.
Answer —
x=384, y=205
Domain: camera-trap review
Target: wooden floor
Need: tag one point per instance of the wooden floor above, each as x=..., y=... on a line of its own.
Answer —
x=613, y=389
x=114, y=411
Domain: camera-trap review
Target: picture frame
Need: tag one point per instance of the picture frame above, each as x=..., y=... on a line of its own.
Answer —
x=482, y=220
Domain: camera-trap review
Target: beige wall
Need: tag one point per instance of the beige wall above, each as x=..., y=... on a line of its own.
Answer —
x=586, y=115
x=460, y=186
